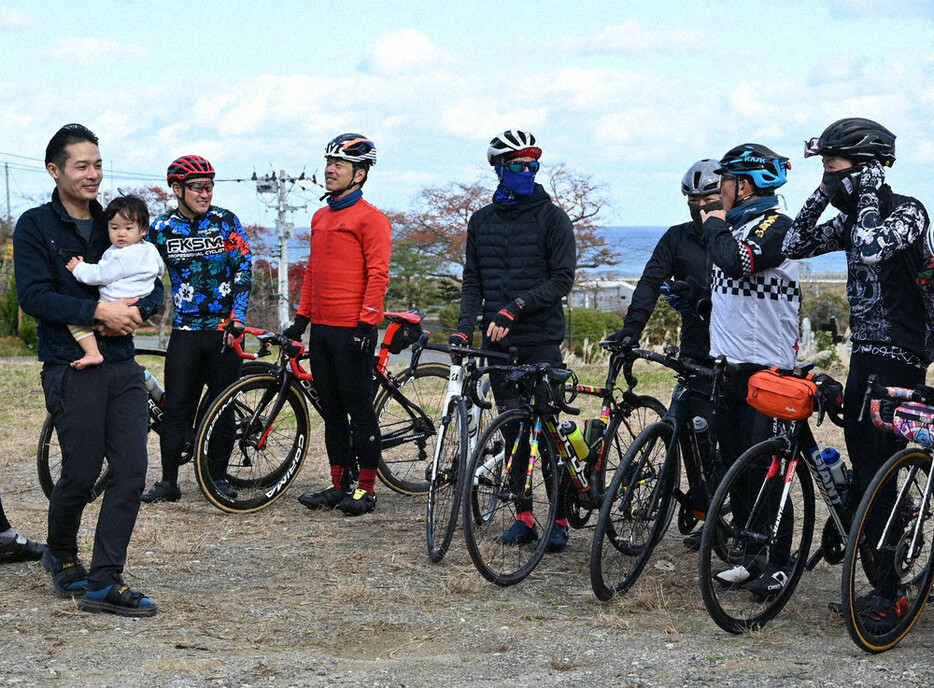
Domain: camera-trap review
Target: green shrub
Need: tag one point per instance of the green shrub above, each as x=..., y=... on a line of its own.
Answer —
x=28, y=332
x=663, y=328
x=585, y=327
x=9, y=310
x=822, y=307
x=448, y=316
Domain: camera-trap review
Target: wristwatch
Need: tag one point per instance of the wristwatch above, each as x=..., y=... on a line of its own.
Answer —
x=520, y=302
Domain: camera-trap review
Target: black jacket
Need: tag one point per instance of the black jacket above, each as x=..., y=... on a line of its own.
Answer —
x=680, y=253
x=523, y=251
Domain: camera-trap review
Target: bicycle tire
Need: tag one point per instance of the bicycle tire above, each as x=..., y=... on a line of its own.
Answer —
x=409, y=439
x=492, y=507
x=262, y=461
x=635, y=512
x=446, y=482
x=896, y=501
x=626, y=423
x=733, y=607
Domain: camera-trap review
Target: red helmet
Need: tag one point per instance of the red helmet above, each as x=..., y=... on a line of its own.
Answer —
x=189, y=166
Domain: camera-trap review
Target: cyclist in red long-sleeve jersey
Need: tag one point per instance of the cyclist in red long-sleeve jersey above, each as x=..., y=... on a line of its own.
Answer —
x=342, y=298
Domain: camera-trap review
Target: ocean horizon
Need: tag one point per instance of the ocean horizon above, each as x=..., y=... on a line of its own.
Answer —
x=636, y=243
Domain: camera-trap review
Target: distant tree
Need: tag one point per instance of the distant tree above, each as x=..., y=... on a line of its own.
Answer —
x=438, y=227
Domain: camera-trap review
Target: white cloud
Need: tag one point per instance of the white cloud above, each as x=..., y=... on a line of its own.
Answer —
x=406, y=51
x=89, y=51
x=632, y=37
x=12, y=19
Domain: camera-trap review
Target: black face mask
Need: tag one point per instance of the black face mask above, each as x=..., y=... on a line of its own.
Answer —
x=841, y=188
x=696, y=211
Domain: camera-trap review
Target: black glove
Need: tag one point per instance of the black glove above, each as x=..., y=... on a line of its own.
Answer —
x=364, y=338
x=507, y=314
x=463, y=336
x=296, y=330
x=630, y=332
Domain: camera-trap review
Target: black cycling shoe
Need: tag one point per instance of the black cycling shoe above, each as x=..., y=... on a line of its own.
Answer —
x=327, y=498
x=162, y=491
x=21, y=549
x=359, y=503
x=226, y=489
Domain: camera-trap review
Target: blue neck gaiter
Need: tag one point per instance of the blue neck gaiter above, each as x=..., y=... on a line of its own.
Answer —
x=345, y=201
x=740, y=214
x=513, y=186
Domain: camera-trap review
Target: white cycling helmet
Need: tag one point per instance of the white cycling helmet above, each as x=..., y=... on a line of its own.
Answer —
x=510, y=144
x=701, y=179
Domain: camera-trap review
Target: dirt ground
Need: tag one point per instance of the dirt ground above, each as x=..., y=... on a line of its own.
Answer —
x=289, y=597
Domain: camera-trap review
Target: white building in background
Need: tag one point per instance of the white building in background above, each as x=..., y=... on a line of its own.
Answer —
x=604, y=294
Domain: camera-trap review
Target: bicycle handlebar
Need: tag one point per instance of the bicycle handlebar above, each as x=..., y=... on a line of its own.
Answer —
x=461, y=351
x=539, y=371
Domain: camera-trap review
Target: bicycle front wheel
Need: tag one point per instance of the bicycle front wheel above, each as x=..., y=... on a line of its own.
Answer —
x=889, y=553
x=752, y=554
x=446, y=482
x=499, y=488
x=409, y=419
x=635, y=511
x=262, y=449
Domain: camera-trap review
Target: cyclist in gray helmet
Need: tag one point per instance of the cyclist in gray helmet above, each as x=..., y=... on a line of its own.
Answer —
x=679, y=270
x=883, y=236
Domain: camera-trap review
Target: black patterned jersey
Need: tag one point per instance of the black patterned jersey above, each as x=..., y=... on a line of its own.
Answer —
x=890, y=315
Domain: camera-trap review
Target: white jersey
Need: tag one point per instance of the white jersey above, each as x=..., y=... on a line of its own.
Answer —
x=123, y=273
x=755, y=293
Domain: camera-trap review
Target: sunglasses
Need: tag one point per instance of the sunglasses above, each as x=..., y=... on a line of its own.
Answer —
x=516, y=166
x=199, y=187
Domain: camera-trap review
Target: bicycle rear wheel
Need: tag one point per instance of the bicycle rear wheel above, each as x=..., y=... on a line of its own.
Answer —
x=447, y=480
x=635, y=512
x=889, y=550
x=497, y=495
x=767, y=536
x=409, y=436
x=263, y=454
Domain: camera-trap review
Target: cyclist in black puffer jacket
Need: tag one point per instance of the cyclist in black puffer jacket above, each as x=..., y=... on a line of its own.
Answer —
x=518, y=266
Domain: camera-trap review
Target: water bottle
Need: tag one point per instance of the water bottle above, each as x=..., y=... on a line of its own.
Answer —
x=578, y=451
x=153, y=387
x=570, y=430
x=702, y=436
x=834, y=464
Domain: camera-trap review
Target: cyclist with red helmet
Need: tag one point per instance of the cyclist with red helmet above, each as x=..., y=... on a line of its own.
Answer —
x=342, y=298
x=207, y=255
x=883, y=236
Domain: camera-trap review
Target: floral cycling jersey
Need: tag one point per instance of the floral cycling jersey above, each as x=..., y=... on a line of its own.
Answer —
x=883, y=240
x=210, y=265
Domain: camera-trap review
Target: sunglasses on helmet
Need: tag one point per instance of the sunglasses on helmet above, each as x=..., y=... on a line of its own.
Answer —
x=812, y=147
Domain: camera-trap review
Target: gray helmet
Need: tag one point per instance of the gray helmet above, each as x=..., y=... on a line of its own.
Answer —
x=701, y=179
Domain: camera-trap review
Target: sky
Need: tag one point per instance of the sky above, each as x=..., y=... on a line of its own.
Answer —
x=629, y=93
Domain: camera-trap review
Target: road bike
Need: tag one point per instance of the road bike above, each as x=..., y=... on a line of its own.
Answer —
x=646, y=487
x=49, y=453
x=890, y=550
x=769, y=525
x=260, y=425
x=502, y=482
x=461, y=426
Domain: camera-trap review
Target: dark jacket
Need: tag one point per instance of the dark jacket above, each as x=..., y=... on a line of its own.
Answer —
x=45, y=239
x=523, y=251
x=680, y=253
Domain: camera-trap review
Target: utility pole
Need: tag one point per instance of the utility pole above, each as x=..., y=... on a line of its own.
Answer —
x=284, y=233
x=9, y=215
